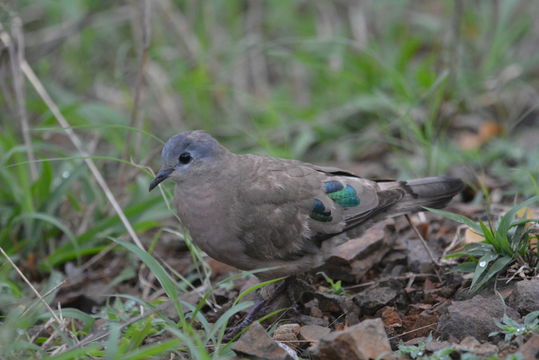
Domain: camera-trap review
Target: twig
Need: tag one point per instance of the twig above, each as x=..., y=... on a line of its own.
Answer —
x=25, y=279
x=142, y=61
x=180, y=24
x=257, y=61
x=426, y=246
x=453, y=55
x=53, y=289
x=16, y=56
x=411, y=331
x=403, y=277
x=337, y=318
x=40, y=89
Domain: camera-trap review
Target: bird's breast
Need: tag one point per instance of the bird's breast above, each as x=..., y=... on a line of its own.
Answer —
x=205, y=212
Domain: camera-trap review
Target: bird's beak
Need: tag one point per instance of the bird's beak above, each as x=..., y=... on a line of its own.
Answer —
x=161, y=176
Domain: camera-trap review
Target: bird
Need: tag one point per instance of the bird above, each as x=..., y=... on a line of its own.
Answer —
x=260, y=212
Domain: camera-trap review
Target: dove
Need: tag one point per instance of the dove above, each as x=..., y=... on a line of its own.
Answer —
x=260, y=212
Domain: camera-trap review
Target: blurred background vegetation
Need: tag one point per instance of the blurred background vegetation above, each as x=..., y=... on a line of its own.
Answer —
x=389, y=88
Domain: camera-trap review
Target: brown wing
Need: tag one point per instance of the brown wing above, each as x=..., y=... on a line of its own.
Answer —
x=289, y=204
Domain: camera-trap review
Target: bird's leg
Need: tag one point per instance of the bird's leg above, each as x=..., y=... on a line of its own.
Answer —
x=259, y=306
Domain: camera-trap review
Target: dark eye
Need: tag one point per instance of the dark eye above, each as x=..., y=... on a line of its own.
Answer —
x=184, y=158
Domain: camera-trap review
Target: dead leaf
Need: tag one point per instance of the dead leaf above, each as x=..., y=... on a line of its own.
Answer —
x=487, y=131
x=471, y=237
x=391, y=317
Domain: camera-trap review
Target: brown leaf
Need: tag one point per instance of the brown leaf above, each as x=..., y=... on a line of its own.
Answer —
x=471, y=236
x=487, y=131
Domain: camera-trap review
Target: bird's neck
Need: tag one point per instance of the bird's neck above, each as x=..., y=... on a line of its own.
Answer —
x=203, y=205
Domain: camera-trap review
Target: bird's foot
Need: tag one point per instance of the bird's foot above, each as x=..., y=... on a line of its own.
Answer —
x=249, y=318
x=281, y=288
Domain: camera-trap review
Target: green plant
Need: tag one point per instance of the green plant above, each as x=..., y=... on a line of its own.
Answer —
x=507, y=243
x=336, y=286
x=511, y=328
x=414, y=351
x=418, y=351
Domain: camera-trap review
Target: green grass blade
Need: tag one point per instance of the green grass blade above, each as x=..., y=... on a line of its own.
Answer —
x=220, y=324
x=255, y=287
x=152, y=350
x=162, y=276
x=458, y=218
x=505, y=221
x=498, y=266
x=92, y=350
x=481, y=266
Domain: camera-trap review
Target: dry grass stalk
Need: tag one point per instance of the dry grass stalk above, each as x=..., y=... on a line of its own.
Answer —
x=40, y=89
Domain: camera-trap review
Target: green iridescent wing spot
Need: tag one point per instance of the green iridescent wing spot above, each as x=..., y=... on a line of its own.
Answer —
x=346, y=197
x=319, y=212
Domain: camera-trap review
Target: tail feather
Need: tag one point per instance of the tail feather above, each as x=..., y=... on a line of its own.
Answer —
x=433, y=192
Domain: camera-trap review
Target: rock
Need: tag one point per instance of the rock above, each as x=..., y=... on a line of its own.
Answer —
x=311, y=320
x=392, y=320
x=366, y=340
x=470, y=344
x=219, y=269
x=419, y=260
x=256, y=342
x=530, y=349
x=287, y=332
x=291, y=352
x=349, y=261
x=313, y=332
x=418, y=324
x=375, y=298
x=435, y=345
x=330, y=303
x=474, y=317
x=525, y=296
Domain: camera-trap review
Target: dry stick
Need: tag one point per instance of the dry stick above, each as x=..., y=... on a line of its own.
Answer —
x=53, y=289
x=142, y=60
x=426, y=246
x=453, y=56
x=375, y=282
x=25, y=279
x=16, y=56
x=180, y=24
x=38, y=86
x=411, y=331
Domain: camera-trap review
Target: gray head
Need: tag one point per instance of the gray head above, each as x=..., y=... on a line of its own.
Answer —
x=188, y=154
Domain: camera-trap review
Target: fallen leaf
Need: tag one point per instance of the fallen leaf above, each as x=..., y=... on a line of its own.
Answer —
x=487, y=131
x=471, y=236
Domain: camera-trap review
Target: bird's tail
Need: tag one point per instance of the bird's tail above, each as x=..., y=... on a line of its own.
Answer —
x=433, y=192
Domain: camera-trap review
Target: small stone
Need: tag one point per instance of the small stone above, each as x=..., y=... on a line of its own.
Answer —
x=530, y=349
x=366, y=340
x=350, y=260
x=256, y=342
x=314, y=309
x=418, y=258
x=525, y=296
x=329, y=302
x=219, y=269
x=287, y=332
x=313, y=332
x=391, y=318
x=435, y=345
x=470, y=344
x=474, y=317
x=375, y=298
x=311, y=320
